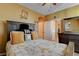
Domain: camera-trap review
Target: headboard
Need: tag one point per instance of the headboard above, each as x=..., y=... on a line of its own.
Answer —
x=19, y=26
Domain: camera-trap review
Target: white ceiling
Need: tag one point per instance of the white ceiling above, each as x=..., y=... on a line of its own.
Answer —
x=45, y=10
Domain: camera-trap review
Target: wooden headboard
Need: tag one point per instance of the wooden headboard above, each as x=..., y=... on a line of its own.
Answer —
x=19, y=26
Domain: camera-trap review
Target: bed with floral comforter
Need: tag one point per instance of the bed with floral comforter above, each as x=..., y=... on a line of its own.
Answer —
x=36, y=48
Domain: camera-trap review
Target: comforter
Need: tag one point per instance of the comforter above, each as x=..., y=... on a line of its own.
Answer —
x=35, y=48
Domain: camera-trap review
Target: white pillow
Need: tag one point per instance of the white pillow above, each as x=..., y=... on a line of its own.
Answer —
x=27, y=37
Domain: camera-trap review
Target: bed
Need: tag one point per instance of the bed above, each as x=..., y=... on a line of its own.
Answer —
x=37, y=47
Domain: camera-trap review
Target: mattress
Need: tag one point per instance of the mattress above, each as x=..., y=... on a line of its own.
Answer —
x=37, y=47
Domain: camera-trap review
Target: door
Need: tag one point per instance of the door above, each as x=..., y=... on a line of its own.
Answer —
x=1, y=37
x=41, y=29
x=54, y=30
x=41, y=22
x=47, y=30
x=51, y=30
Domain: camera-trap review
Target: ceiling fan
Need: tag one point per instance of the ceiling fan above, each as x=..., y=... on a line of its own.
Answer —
x=47, y=3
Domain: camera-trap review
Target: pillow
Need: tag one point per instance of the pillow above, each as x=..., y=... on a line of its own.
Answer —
x=34, y=35
x=16, y=37
x=27, y=37
x=26, y=31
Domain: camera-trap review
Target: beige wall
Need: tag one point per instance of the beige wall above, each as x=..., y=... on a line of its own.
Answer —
x=13, y=12
x=60, y=14
x=70, y=12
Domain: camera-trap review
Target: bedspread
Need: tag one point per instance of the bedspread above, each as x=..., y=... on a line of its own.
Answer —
x=37, y=47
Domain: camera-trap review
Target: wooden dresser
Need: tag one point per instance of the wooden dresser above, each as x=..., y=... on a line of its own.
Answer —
x=66, y=37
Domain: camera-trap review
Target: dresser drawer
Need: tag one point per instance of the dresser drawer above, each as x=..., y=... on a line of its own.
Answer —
x=74, y=36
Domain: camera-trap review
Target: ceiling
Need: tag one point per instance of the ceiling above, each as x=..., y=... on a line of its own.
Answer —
x=48, y=9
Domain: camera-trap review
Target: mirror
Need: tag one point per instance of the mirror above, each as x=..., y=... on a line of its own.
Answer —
x=71, y=25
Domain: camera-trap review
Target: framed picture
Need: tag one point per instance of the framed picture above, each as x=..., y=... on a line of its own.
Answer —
x=68, y=26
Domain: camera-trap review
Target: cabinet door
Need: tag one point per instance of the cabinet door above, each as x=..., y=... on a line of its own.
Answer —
x=76, y=47
x=63, y=38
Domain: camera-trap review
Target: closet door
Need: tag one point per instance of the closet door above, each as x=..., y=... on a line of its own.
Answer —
x=47, y=30
x=41, y=22
x=51, y=31
x=1, y=37
x=41, y=29
x=54, y=30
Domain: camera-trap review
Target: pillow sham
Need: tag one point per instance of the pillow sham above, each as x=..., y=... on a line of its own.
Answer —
x=34, y=35
x=17, y=37
x=27, y=37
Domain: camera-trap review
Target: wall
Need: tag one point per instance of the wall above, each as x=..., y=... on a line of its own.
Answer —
x=60, y=14
x=12, y=12
x=66, y=13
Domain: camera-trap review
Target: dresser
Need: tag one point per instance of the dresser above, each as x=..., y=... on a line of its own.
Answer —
x=66, y=37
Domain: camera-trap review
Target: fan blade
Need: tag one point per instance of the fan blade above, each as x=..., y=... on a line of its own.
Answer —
x=43, y=4
x=54, y=3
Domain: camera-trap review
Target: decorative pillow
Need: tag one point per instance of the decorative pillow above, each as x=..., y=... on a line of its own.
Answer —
x=26, y=31
x=16, y=37
x=34, y=35
x=27, y=37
